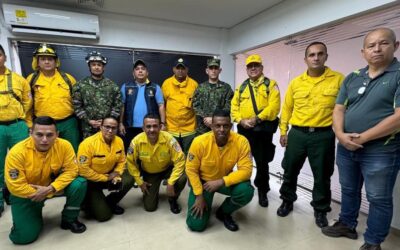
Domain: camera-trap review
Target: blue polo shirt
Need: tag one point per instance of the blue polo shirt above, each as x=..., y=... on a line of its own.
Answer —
x=369, y=101
x=140, y=109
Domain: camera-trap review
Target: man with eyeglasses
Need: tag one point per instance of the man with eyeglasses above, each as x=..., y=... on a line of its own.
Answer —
x=255, y=107
x=156, y=155
x=102, y=162
x=211, y=95
x=95, y=96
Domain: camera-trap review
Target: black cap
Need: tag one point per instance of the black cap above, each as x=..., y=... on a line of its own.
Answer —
x=181, y=62
x=138, y=62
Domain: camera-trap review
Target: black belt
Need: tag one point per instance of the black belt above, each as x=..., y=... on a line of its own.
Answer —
x=312, y=129
x=63, y=120
x=10, y=122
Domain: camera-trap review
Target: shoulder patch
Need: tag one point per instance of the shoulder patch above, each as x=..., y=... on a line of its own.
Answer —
x=82, y=159
x=176, y=146
x=14, y=173
x=190, y=157
x=130, y=150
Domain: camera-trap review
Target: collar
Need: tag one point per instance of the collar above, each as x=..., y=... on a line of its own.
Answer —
x=327, y=73
x=180, y=84
x=257, y=82
x=394, y=66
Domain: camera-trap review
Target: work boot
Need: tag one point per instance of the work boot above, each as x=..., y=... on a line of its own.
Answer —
x=320, y=219
x=368, y=246
x=227, y=219
x=76, y=226
x=262, y=198
x=174, y=206
x=285, y=208
x=339, y=229
x=117, y=210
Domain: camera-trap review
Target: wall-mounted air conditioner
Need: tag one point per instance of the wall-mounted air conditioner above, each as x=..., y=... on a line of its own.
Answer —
x=31, y=20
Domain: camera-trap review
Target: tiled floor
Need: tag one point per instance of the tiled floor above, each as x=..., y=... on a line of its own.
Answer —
x=260, y=228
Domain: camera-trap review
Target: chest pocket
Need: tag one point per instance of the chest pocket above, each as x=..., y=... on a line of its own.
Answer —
x=301, y=98
x=99, y=160
x=41, y=91
x=62, y=91
x=209, y=167
x=329, y=98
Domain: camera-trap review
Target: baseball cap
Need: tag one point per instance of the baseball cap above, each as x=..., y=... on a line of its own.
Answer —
x=253, y=59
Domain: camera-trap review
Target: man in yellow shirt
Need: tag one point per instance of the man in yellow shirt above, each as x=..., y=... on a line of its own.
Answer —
x=156, y=155
x=15, y=103
x=38, y=168
x=308, y=107
x=255, y=107
x=209, y=167
x=102, y=162
x=178, y=93
x=51, y=91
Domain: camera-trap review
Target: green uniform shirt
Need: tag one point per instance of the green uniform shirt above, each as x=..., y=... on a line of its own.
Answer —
x=369, y=101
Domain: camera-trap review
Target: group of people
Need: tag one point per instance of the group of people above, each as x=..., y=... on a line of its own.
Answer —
x=182, y=131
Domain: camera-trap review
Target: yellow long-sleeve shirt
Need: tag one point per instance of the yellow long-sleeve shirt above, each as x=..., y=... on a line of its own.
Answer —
x=155, y=158
x=207, y=162
x=309, y=101
x=25, y=165
x=97, y=158
x=10, y=107
x=269, y=103
x=178, y=96
x=52, y=96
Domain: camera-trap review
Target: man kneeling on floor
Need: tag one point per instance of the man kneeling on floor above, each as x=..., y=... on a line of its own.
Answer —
x=156, y=155
x=102, y=162
x=38, y=168
x=209, y=166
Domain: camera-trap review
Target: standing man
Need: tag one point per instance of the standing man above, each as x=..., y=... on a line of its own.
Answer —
x=156, y=155
x=38, y=168
x=255, y=107
x=51, y=92
x=178, y=93
x=95, y=96
x=211, y=95
x=366, y=121
x=308, y=107
x=15, y=103
x=102, y=162
x=139, y=98
x=209, y=167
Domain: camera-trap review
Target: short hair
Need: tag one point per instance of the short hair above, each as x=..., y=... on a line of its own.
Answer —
x=315, y=43
x=44, y=120
x=392, y=34
x=2, y=50
x=221, y=113
x=152, y=116
x=110, y=117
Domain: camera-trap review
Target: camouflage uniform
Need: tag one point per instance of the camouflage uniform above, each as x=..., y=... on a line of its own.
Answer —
x=95, y=100
x=208, y=97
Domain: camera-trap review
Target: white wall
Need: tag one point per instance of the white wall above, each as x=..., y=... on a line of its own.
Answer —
x=291, y=17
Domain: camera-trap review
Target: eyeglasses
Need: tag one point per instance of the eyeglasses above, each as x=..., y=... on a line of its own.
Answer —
x=110, y=128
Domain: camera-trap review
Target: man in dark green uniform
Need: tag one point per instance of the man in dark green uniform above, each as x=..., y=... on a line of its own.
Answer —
x=211, y=95
x=96, y=97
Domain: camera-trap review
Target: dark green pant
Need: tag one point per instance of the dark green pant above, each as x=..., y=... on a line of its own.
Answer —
x=69, y=131
x=150, y=201
x=239, y=196
x=319, y=147
x=98, y=205
x=185, y=142
x=9, y=136
x=27, y=215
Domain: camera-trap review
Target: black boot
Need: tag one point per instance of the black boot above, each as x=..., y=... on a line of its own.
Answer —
x=174, y=206
x=262, y=198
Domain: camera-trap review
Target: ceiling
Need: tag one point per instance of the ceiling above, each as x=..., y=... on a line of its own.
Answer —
x=213, y=13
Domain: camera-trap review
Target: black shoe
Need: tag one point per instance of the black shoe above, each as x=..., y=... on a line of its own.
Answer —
x=1, y=210
x=320, y=219
x=368, y=246
x=262, y=198
x=174, y=206
x=117, y=210
x=229, y=223
x=340, y=230
x=76, y=226
x=285, y=208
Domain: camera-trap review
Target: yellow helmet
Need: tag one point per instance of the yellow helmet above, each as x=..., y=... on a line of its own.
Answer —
x=44, y=50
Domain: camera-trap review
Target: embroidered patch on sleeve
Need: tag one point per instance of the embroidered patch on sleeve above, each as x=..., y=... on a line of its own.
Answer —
x=14, y=173
x=130, y=150
x=190, y=157
x=82, y=159
x=177, y=147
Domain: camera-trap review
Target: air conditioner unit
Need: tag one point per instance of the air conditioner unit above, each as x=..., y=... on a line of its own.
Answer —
x=32, y=20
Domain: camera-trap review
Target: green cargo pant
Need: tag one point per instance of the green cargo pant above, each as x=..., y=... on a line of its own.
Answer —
x=27, y=215
x=319, y=147
x=98, y=205
x=239, y=196
x=150, y=200
x=68, y=129
x=9, y=136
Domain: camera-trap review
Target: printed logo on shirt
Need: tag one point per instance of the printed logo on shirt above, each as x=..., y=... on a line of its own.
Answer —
x=13, y=173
